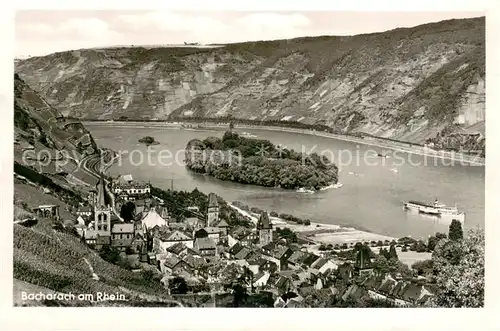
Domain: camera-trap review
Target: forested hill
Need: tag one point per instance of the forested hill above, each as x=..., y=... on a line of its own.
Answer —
x=259, y=162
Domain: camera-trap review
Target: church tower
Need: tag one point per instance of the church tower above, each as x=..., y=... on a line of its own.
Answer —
x=213, y=210
x=102, y=209
x=265, y=229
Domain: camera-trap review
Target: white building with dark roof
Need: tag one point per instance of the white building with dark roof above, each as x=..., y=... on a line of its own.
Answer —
x=152, y=219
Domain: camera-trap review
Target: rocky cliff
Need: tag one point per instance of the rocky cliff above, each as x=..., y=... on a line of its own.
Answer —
x=409, y=84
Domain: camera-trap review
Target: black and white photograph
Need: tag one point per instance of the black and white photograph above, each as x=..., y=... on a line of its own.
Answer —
x=249, y=159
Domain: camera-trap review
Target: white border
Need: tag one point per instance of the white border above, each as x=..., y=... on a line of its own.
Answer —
x=263, y=319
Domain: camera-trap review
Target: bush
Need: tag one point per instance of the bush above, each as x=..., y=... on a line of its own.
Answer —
x=307, y=222
x=273, y=214
x=456, y=232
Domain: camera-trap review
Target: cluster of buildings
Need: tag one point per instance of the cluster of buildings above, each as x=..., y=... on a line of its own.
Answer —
x=210, y=255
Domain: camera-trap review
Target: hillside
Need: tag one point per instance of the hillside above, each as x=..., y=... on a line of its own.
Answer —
x=408, y=83
x=60, y=263
x=45, y=140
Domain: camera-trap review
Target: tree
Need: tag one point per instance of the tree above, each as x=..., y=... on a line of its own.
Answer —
x=392, y=252
x=431, y=243
x=112, y=255
x=455, y=232
x=440, y=235
x=239, y=294
x=459, y=269
x=178, y=285
x=127, y=211
x=424, y=267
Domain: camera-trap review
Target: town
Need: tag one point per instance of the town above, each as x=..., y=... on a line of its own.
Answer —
x=206, y=247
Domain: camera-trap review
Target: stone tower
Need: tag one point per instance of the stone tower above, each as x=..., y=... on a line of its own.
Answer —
x=213, y=210
x=102, y=209
x=265, y=229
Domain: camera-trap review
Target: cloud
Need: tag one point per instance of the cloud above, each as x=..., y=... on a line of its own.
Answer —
x=168, y=21
x=71, y=33
x=36, y=28
x=274, y=21
x=266, y=26
x=85, y=29
x=205, y=28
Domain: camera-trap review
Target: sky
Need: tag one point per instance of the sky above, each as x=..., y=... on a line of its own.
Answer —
x=40, y=32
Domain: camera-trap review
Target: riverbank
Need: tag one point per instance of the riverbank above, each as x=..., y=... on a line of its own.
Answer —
x=369, y=141
x=320, y=233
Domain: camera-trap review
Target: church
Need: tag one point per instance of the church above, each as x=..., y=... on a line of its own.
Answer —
x=265, y=228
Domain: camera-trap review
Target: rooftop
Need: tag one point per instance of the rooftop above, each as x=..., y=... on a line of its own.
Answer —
x=212, y=200
x=205, y=243
x=264, y=222
x=122, y=228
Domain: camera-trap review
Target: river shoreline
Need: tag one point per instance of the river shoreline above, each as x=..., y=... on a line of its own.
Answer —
x=370, y=141
x=320, y=233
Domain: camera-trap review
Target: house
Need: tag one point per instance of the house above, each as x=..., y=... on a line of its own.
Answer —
x=296, y=259
x=309, y=260
x=193, y=223
x=84, y=211
x=164, y=240
x=279, y=303
x=260, y=279
x=259, y=264
x=122, y=235
x=139, y=244
x=223, y=226
x=231, y=241
x=249, y=239
x=206, y=246
x=102, y=242
x=213, y=232
x=152, y=218
x=281, y=284
x=278, y=255
x=90, y=237
x=174, y=264
x=295, y=302
x=235, y=249
x=195, y=262
x=322, y=265
x=243, y=254
x=131, y=188
x=354, y=292
x=346, y=271
x=81, y=220
x=177, y=249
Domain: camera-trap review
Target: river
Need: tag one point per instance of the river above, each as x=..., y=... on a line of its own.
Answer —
x=370, y=200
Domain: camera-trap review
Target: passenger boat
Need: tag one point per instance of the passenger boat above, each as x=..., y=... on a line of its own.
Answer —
x=436, y=208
